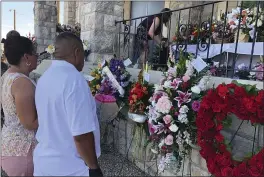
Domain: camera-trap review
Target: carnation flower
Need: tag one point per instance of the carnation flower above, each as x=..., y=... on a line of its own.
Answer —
x=169, y=140
x=196, y=106
x=185, y=78
x=167, y=119
x=183, y=118
x=163, y=105
x=184, y=109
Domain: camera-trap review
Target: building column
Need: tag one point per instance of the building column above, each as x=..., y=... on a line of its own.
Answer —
x=97, y=21
x=45, y=21
x=69, y=12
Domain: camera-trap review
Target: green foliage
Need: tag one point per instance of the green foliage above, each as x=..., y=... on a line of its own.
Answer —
x=181, y=65
x=250, y=89
x=249, y=4
x=228, y=121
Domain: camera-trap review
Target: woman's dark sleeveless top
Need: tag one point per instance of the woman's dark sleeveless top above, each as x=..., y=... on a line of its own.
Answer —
x=147, y=22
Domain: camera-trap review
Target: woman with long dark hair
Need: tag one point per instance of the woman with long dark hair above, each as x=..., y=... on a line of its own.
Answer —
x=150, y=29
x=18, y=102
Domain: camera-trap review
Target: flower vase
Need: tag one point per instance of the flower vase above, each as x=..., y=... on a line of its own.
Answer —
x=242, y=37
x=52, y=57
x=139, y=118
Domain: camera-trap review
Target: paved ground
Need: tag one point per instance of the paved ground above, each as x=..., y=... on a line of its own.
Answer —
x=114, y=164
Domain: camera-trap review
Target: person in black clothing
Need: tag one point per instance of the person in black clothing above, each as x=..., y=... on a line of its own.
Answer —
x=150, y=29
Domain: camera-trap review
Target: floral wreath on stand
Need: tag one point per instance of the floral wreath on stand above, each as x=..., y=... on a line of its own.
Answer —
x=172, y=112
x=247, y=103
x=138, y=100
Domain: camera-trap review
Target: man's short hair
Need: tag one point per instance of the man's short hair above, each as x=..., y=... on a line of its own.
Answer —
x=68, y=36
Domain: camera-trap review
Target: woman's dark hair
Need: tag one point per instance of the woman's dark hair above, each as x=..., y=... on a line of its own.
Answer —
x=9, y=34
x=15, y=47
x=166, y=15
x=12, y=33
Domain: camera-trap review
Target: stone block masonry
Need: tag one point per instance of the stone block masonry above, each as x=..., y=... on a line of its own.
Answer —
x=98, y=26
x=69, y=12
x=45, y=20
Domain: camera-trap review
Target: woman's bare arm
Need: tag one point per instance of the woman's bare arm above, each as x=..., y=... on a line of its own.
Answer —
x=152, y=29
x=23, y=92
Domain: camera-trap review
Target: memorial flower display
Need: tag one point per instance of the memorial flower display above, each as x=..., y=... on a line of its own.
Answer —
x=242, y=101
x=104, y=84
x=122, y=76
x=172, y=111
x=139, y=95
x=95, y=84
x=118, y=69
x=251, y=21
x=258, y=69
x=76, y=29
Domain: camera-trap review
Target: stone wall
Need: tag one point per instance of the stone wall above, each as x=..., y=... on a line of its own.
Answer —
x=98, y=26
x=45, y=20
x=69, y=12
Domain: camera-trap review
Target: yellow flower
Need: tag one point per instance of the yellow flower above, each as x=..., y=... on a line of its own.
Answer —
x=97, y=76
x=92, y=74
x=97, y=86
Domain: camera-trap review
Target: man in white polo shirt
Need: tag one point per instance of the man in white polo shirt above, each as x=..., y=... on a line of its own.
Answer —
x=68, y=133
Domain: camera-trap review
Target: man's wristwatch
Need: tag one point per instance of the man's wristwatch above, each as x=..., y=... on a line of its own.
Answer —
x=95, y=172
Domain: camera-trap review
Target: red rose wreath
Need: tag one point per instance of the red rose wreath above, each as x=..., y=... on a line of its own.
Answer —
x=247, y=103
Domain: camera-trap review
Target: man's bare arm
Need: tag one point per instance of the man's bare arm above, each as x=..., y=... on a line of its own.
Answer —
x=86, y=147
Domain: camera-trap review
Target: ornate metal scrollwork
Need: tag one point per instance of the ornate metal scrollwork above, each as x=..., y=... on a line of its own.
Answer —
x=204, y=36
x=126, y=34
x=183, y=37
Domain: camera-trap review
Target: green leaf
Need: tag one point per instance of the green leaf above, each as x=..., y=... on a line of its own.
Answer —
x=228, y=121
x=248, y=88
x=194, y=127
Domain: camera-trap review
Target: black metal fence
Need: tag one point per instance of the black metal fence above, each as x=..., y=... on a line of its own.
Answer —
x=232, y=44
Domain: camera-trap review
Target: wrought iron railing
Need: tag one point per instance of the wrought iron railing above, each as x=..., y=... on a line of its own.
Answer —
x=198, y=32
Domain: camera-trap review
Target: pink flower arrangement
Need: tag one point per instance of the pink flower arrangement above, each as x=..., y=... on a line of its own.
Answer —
x=170, y=115
x=164, y=105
